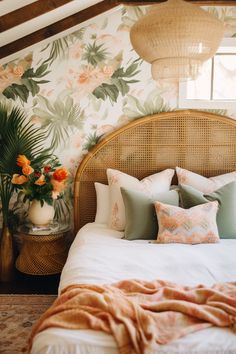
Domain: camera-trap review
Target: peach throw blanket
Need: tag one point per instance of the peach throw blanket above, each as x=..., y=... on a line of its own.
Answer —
x=140, y=314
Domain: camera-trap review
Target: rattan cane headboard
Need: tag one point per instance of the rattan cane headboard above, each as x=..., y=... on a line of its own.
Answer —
x=198, y=141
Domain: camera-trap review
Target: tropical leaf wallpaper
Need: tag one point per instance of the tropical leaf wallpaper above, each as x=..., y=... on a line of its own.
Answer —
x=81, y=86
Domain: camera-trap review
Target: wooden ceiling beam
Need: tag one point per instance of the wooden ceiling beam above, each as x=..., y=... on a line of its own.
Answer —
x=55, y=28
x=29, y=12
x=199, y=2
x=76, y=19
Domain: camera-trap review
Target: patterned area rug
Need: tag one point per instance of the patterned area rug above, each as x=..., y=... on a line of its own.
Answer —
x=18, y=313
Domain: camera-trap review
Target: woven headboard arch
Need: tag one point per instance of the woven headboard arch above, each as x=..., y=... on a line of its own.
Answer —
x=202, y=142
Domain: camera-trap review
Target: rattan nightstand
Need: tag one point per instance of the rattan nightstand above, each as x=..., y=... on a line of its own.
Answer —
x=42, y=252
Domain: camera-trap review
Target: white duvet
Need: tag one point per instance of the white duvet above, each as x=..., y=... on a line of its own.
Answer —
x=99, y=255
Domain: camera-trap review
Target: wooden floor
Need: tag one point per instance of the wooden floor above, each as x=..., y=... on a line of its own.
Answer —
x=30, y=284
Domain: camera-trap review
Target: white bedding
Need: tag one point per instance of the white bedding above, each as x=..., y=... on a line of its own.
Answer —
x=99, y=255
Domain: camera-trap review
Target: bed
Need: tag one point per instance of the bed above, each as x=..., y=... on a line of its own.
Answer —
x=201, y=142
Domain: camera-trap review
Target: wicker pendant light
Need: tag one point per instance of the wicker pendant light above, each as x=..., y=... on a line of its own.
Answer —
x=176, y=37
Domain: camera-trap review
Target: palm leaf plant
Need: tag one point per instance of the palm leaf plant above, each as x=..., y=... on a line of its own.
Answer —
x=17, y=136
x=92, y=140
x=59, y=119
x=59, y=49
x=94, y=54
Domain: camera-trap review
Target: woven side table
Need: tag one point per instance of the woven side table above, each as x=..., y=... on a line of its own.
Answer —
x=42, y=254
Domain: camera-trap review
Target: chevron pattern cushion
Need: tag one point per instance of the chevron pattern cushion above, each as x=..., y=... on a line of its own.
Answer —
x=192, y=226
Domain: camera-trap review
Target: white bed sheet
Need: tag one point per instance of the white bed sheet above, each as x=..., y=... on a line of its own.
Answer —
x=99, y=255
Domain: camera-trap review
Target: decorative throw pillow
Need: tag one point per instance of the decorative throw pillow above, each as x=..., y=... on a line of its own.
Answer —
x=226, y=196
x=156, y=183
x=141, y=221
x=194, y=225
x=103, y=203
x=203, y=184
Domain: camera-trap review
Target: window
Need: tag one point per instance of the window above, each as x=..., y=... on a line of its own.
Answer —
x=216, y=85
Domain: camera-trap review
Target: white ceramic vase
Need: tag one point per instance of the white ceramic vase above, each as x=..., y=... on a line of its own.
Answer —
x=40, y=215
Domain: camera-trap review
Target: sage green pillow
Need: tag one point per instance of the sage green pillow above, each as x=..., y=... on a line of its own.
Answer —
x=141, y=220
x=226, y=196
x=190, y=197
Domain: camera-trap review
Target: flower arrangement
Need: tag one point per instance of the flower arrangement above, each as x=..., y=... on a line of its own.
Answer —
x=44, y=183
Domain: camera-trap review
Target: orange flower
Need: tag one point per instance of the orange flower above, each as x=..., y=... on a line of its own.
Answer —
x=19, y=179
x=108, y=70
x=27, y=170
x=60, y=174
x=58, y=186
x=40, y=181
x=18, y=70
x=83, y=78
x=22, y=160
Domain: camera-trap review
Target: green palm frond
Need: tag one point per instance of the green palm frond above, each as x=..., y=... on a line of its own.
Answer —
x=59, y=119
x=135, y=108
x=131, y=14
x=6, y=190
x=94, y=54
x=77, y=35
x=222, y=112
x=62, y=210
x=59, y=48
x=17, y=136
x=92, y=140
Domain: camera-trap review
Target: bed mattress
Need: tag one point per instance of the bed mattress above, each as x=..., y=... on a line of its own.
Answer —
x=99, y=255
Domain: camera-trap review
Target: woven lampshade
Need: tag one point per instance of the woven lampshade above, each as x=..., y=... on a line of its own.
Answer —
x=176, y=37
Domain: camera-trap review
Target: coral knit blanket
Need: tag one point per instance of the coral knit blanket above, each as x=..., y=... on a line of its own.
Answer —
x=140, y=314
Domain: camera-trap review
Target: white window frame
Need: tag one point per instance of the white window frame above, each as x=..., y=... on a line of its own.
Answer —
x=228, y=45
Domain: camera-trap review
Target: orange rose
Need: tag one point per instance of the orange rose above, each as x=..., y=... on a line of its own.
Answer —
x=27, y=170
x=22, y=160
x=108, y=70
x=60, y=174
x=19, y=179
x=83, y=78
x=40, y=181
x=57, y=185
x=18, y=70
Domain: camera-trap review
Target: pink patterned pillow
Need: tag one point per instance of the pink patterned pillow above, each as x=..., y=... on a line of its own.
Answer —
x=194, y=225
x=204, y=184
x=157, y=183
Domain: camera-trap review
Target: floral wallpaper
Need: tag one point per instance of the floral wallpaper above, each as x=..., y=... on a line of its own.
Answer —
x=85, y=84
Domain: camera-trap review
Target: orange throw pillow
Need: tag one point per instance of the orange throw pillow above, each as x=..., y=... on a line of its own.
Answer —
x=192, y=226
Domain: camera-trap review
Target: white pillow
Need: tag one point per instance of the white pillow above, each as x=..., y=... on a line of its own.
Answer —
x=204, y=184
x=103, y=203
x=157, y=183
